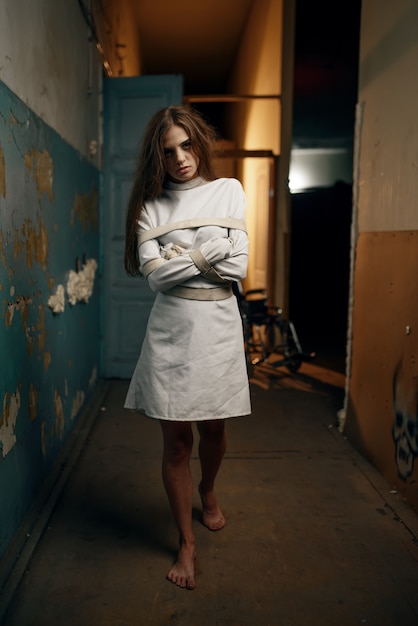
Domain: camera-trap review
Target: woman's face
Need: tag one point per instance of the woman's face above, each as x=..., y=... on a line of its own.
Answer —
x=181, y=162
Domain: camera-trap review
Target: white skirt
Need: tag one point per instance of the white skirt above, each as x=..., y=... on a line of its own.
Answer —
x=192, y=363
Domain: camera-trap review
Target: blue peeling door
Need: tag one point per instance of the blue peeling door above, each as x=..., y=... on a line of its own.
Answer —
x=128, y=105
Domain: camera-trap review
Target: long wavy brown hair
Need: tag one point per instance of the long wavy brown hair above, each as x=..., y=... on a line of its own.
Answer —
x=151, y=172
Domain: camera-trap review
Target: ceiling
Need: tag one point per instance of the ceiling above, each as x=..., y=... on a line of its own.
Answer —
x=199, y=39
x=195, y=38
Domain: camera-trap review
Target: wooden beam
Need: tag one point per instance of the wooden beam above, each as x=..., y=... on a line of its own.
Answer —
x=244, y=154
x=228, y=98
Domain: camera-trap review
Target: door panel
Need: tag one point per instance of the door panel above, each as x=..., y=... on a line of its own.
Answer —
x=262, y=187
x=128, y=105
x=256, y=178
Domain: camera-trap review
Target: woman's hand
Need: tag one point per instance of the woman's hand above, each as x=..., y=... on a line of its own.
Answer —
x=216, y=249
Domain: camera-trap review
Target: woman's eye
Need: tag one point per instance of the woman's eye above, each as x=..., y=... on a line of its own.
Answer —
x=186, y=144
x=168, y=153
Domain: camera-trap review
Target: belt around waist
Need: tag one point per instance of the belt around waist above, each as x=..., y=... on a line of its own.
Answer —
x=199, y=293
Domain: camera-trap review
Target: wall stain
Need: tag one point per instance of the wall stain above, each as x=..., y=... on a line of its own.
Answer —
x=11, y=406
x=50, y=280
x=33, y=402
x=40, y=326
x=21, y=304
x=78, y=402
x=43, y=170
x=35, y=243
x=59, y=415
x=2, y=173
x=86, y=207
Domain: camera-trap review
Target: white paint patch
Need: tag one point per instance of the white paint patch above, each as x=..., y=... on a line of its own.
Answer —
x=80, y=284
x=12, y=291
x=56, y=302
x=11, y=406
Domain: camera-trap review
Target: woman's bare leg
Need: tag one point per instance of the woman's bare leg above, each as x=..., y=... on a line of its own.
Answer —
x=178, y=444
x=212, y=448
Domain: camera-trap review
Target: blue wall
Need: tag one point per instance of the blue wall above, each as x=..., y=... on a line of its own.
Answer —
x=49, y=362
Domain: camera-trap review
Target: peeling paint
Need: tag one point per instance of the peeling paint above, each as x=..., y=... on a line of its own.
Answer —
x=80, y=284
x=86, y=207
x=11, y=406
x=35, y=243
x=59, y=414
x=2, y=173
x=21, y=304
x=10, y=314
x=43, y=170
x=79, y=287
x=56, y=301
x=33, y=402
x=78, y=402
x=41, y=176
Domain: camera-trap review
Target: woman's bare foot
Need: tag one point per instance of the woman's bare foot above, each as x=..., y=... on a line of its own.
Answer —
x=182, y=572
x=212, y=514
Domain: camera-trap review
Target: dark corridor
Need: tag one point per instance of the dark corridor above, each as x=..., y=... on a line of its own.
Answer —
x=319, y=270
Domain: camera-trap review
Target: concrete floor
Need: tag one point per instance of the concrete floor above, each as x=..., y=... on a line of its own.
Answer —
x=314, y=535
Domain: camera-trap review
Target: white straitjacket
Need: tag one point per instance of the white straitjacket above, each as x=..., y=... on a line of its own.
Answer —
x=192, y=363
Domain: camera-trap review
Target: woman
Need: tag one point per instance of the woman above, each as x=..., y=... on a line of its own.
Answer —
x=185, y=233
